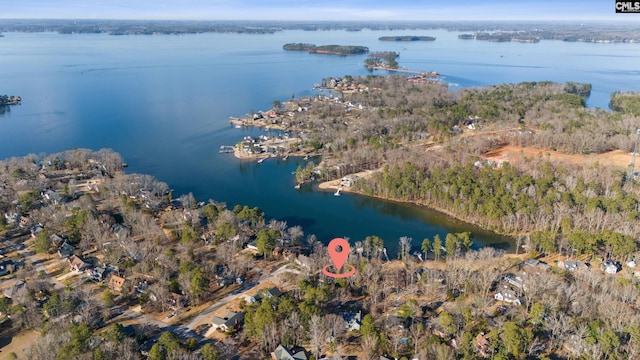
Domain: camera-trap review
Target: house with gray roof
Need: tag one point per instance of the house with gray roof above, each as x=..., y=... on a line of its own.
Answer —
x=232, y=320
x=296, y=353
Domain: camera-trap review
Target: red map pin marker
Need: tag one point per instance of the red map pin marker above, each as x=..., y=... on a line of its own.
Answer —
x=338, y=257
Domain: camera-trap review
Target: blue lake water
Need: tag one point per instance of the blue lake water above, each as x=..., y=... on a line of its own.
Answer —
x=163, y=102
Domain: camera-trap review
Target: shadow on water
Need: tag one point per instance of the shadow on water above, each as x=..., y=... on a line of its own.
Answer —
x=296, y=220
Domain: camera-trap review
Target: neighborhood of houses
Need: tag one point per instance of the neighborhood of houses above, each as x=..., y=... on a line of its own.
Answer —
x=509, y=289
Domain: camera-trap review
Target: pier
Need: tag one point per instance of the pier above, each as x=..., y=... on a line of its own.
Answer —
x=224, y=149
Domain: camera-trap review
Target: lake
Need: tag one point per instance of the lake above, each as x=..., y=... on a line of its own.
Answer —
x=163, y=102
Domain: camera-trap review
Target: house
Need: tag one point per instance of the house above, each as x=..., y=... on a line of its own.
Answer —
x=252, y=245
x=611, y=266
x=24, y=221
x=296, y=353
x=513, y=280
x=394, y=321
x=631, y=263
x=97, y=273
x=269, y=293
x=36, y=229
x=572, y=265
x=535, y=264
x=116, y=283
x=175, y=301
x=56, y=240
x=10, y=292
x=51, y=196
x=232, y=320
x=352, y=320
x=482, y=345
x=65, y=250
x=508, y=296
x=12, y=218
x=348, y=181
x=77, y=264
x=6, y=267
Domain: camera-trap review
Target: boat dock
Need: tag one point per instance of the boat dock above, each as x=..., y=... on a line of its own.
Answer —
x=226, y=149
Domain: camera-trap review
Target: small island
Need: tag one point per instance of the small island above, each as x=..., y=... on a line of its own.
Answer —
x=407, y=38
x=342, y=50
x=6, y=100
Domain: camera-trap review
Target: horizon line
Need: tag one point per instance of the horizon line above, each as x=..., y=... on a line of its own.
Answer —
x=608, y=18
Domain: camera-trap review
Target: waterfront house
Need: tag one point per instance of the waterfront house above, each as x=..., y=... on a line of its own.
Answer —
x=232, y=320
x=348, y=181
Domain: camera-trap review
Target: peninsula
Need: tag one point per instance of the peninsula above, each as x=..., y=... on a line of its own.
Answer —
x=418, y=136
x=502, y=37
x=342, y=50
x=407, y=38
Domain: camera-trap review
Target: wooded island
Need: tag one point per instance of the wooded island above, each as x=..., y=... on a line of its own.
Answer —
x=342, y=50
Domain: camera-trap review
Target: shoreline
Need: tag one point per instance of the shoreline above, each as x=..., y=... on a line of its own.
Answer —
x=257, y=123
x=336, y=184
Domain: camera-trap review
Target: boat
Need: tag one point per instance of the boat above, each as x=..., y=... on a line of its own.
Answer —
x=337, y=193
x=297, y=186
x=261, y=160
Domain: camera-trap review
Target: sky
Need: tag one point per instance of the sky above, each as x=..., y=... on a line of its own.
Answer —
x=299, y=10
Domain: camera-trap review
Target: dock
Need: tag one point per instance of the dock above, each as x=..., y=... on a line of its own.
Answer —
x=224, y=149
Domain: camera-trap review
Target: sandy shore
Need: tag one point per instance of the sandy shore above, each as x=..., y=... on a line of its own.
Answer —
x=336, y=184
